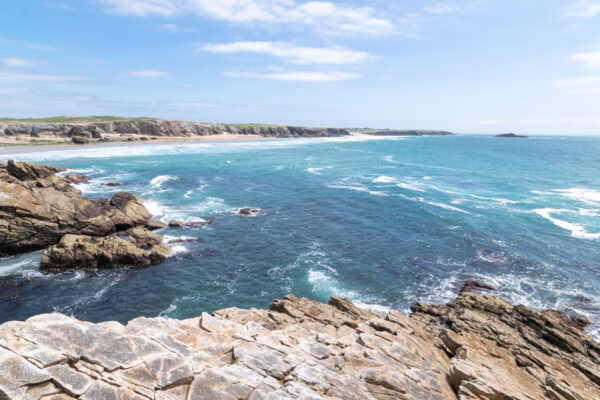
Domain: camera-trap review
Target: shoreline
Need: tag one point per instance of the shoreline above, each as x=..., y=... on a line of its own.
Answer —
x=27, y=147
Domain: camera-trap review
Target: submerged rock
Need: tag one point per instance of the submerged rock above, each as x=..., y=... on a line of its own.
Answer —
x=470, y=286
x=249, y=212
x=85, y=252
x=37, y=208
x=298, y=349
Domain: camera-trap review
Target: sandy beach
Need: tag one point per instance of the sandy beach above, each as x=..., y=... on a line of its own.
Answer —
x=17, y=147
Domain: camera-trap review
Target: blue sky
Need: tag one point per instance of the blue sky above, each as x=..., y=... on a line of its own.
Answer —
x=473, y=66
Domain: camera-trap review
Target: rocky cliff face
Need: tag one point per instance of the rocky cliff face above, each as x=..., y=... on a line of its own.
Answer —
x=37, y=208
x=158, y=128
x=477, y=347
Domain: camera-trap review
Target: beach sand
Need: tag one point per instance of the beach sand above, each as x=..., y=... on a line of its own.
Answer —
x=9, y=147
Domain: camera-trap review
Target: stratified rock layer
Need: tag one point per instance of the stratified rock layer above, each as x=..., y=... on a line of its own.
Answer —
x=299, y=349
x=37, y=208
x=157, y=127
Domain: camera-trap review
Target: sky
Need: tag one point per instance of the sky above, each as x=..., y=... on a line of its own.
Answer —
x=469, y=66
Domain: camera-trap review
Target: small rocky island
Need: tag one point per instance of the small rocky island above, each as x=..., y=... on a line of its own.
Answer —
x=511, y=135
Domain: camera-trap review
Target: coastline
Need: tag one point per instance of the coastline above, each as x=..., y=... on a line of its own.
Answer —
x=7, y=148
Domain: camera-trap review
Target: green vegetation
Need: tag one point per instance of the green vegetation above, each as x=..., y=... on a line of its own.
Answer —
x=242, y=126
x=93, y=118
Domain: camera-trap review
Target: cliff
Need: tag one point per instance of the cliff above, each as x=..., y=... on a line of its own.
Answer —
x=155, y=128
x=477, y=347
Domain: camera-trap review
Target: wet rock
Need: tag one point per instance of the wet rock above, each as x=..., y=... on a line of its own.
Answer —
x=84, y=252
x=249, y=212
x=471, y=286
x=143, y=238
x=175, y=224
x=154, y=225
x=112, y=184
x=185, y=240
x=159, y=253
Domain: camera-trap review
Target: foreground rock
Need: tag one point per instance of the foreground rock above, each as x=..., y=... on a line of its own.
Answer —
x=85, y=252
x=298, y=349
x=506, y=351
x=37, y=208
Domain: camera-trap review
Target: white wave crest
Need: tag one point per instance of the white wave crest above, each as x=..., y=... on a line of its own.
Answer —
x=384, y=179
x=158, y=181
x=576, y=230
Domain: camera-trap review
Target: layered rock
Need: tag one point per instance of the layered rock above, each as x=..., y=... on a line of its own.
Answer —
x=157, y=127
x=298, y=349
x=85, y=252
x=502, y=350
x=37, y=208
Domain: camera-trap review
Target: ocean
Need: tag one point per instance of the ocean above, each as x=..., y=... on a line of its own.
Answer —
x=385, y=222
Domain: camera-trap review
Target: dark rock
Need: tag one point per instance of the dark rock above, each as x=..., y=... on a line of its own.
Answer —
x=112, y=184
x=249, y=212
x=80, y=140
x=185, y=240
x=511, y=135
x=154, y=225
x=175, y=224
x=81, y=131
x=471, y=286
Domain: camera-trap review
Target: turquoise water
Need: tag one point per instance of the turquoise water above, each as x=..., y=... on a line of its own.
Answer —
x=385, y=222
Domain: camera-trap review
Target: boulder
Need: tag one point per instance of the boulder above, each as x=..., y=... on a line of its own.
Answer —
x=471, y=286
x=112, y=184
x=143, y=238
x=154, y=225
x=84, y=252
x=249, y=212
x=175, y=224
x=80, y=140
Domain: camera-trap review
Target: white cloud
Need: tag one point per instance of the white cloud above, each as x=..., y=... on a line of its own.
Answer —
x=29, y=45
x=589, y=60
x=292, y=53
x=317, y=76
x=440, y=8
x=583, y=9
x=583, y=85
x=323, y=16
x=12, y=62
x=12, y=76
x=147, y=73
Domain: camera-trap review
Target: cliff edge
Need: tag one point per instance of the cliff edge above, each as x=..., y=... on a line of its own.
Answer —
x=477, y=347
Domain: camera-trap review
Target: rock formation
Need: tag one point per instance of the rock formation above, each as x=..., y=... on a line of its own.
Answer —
x=511, y=135
x=477, y=347
x=84, y=252
x=84, y=131
x=37, y=208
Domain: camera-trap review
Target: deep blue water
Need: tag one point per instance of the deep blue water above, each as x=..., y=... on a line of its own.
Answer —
x=385, y=222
